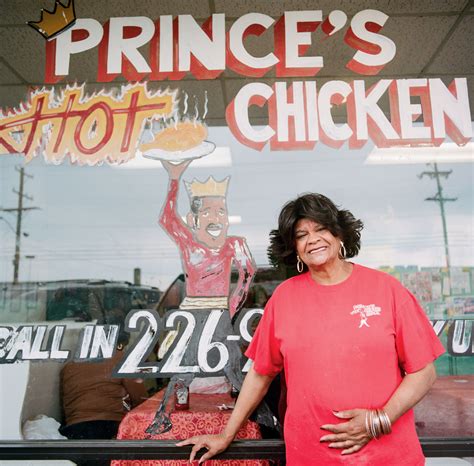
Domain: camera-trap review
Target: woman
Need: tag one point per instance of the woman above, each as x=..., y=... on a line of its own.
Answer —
x=355, y=346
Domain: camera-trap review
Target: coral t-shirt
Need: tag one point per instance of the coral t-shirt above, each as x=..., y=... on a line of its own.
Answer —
x=343, y=347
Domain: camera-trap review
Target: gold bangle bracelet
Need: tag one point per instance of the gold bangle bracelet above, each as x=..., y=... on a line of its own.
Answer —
x=386, y=424
x=372, y=424
x=367, y=424
x=377, y=425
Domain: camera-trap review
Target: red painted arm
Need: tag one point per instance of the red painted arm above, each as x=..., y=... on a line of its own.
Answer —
x=170, y=220
x=246, y=267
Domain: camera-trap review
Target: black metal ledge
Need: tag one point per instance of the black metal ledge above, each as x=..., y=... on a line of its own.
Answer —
x=457, y=447
x=131, y=449
x=166, y=449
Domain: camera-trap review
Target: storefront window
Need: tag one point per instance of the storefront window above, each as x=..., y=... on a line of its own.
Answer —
x=82, y=249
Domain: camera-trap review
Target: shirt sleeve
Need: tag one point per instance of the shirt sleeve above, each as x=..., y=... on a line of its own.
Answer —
x=264, y=349
x=416, y=342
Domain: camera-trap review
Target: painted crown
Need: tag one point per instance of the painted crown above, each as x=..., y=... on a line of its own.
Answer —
x=54, y=22
x=210, y=187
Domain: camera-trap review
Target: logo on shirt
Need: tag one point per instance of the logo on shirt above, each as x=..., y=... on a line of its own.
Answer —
x=365, y=311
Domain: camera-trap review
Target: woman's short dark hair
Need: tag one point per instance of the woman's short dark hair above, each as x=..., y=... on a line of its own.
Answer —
x=320, y=209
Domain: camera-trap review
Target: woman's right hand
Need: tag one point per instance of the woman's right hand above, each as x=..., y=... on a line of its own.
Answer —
x=252, y=392
x=214, y=444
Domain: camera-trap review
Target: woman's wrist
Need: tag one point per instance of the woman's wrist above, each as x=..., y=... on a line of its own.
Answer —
x=391, y=412
x=228, y=435
x=377, y=423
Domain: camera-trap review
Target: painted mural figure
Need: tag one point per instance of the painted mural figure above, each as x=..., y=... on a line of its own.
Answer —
x=207, y=253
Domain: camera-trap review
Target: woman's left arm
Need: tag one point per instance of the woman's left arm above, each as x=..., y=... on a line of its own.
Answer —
x=352, y=435
x=413, y=388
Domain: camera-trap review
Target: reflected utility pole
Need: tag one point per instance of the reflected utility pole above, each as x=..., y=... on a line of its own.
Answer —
x=438, y=197
x=19, y=213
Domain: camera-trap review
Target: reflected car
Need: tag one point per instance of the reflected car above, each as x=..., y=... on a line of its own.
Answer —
x=100, y=301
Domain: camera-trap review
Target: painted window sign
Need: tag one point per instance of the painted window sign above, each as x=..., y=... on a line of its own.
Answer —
x=180, y=45
x=87, y=129
x=205, y=343
x=300, y=116
x=106, y=127
x=202, y=346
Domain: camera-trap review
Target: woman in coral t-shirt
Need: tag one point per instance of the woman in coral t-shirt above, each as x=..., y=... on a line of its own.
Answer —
x=356, y=348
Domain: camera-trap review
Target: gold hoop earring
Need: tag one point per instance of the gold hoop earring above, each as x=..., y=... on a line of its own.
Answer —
x=342, y=251
x=299, y=264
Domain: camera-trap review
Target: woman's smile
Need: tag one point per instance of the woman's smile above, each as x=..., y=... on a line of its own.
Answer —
x=315, y=244
x=318, y=249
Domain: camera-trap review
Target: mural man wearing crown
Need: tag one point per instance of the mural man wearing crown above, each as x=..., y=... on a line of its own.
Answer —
x=207, y=253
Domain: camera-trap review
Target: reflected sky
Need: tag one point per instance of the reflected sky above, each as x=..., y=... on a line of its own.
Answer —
x=102, y=222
